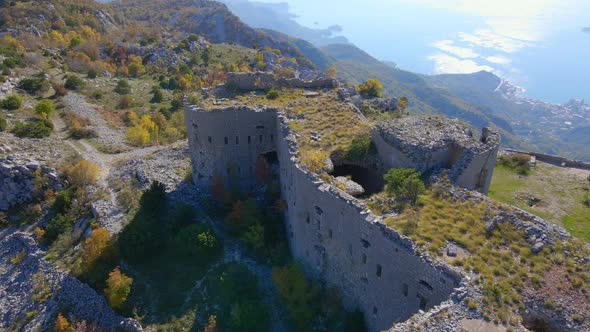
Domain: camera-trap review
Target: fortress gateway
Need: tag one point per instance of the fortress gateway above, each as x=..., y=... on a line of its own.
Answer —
x=332, y=234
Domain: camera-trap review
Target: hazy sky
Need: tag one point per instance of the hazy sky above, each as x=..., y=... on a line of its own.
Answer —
x=522, y=40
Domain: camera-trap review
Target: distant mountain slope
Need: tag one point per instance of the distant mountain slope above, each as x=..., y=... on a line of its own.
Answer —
x=276, y=16
x=211, y=19
x=355, y=66
x=38, y=17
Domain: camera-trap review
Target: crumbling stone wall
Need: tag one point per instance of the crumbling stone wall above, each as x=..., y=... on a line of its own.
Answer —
x=447, y=144
x=227, y=143
x=266, y=81
x=332, y=234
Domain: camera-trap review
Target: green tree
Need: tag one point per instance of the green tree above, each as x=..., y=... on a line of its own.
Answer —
x=197, y=240
x=12, y=102
x=372, y=88
x=3, y=123
x=272, y=94
x=44, y=108
x=243, y=215
x=123, y=87
x=298, y=294
x=56, y=226
x=404, y=183
x=254, y=236
x=158, y=95
x=74, y=83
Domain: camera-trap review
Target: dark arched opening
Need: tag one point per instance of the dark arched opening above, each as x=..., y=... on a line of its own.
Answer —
x=370, y=180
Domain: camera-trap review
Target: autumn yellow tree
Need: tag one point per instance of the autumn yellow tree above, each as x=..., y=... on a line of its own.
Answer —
x=315, y=160
x=136, y=67
x=331, y=72
x=118, y=288
x=61, y=323
x=83, y=173
x=138, y=136
x=95, y=246
x=371, y=88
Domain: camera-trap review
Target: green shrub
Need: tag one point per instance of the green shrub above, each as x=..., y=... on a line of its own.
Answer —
x=44, y=108
x=74, y=83
x=123, y=87
x=56, y=226
x=62, y=202
x=11, y=62
x=272, y=94
x=359, y=149
x=12, y=102
x=92, y=73
x=34, y=84
x=158, y=95
x=519, y=163
x=3, y=123
x=298, y=294
x=81, y=133
x=404, y=183
x=36, y=128
x=197, y=240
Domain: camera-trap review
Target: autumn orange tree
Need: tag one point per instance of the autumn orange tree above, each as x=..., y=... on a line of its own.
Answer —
x=61, y=323
x=118, y=288
x=94, y=247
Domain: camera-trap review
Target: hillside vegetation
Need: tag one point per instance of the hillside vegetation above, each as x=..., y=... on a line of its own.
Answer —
x=557, y=194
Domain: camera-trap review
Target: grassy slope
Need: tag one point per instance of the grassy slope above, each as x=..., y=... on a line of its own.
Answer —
x=560, y=190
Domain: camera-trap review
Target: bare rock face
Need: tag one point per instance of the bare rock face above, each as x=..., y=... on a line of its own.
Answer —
x=17, y=178
x=350, y=187
x=33, y=291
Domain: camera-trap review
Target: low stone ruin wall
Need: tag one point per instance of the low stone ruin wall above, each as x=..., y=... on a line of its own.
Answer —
x=17, y=180
x=554, y=159
x=266, y=81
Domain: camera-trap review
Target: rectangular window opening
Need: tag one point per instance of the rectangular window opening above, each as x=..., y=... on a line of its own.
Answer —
x=226, y=140
x=210, y=139
x=379, y=270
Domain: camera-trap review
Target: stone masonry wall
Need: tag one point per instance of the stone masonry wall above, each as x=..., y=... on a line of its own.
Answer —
x=469, y=168
x=227, y=143
x=330, y=233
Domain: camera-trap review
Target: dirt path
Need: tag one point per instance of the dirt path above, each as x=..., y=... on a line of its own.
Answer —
x=106, y=209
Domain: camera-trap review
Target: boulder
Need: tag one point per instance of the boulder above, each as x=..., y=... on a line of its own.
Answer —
x=350, y=187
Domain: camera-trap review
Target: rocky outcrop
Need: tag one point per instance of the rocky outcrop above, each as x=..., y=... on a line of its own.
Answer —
x=266, y=81
x=33, y=291
x=350, y=187
x=17, y=179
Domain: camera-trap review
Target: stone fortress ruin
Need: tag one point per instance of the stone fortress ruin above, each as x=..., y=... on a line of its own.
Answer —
x=332, y=234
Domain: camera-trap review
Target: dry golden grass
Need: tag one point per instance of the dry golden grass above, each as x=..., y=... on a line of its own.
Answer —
x=502, y=261
x=325, y=116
